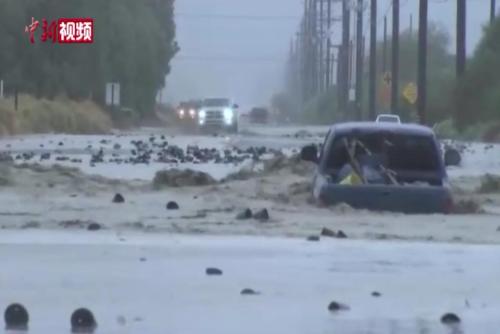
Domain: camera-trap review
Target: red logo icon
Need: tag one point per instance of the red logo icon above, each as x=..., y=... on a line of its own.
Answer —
x=64, y=30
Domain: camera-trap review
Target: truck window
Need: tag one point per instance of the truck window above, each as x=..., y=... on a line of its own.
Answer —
x=398, y=152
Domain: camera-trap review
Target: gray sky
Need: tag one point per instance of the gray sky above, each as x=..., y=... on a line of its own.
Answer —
x=229, y=48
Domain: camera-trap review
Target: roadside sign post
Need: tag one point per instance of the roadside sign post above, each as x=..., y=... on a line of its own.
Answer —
x=113, y=94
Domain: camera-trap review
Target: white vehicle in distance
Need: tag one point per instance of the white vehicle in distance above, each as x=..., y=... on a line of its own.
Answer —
x=218, y=113
x=388, y=118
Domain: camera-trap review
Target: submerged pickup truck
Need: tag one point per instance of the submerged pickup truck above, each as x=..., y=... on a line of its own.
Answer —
x=381, y=167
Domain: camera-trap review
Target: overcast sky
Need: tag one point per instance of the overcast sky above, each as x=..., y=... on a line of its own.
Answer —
x=229, y=47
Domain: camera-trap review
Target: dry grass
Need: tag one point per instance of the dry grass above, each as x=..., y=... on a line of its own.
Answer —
x=60, y=116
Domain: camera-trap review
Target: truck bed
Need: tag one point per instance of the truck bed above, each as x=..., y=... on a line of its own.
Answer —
x=404, y=198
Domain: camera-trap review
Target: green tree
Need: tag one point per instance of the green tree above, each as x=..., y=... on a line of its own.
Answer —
x=478, y=93
x=134, y=42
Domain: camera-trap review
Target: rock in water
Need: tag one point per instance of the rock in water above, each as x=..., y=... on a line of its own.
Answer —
x=248, y=292
x=16, y=317
x=262, y=215
x=326, y=232
x=213, y=272
x=341, y=235
x=246, y=214
x=172, y=205
x=450, y=319
x=376, y=294
x=336, y=306
x=94, y=227
x=313, y=238
x=83, y=321
x=118, y=198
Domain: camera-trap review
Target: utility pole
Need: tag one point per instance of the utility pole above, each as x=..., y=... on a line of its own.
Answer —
x=321, y=57
x=411, y=25
x=493, y=10
x=461, y=35
x=373, y=61
x=384, y=51
x=359, y=60
x=395, y=57
x=328, y=78
x=315, y=41
x=343, y=62
x=422, y=61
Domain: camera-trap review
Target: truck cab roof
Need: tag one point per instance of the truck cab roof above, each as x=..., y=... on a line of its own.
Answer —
x=372, y=127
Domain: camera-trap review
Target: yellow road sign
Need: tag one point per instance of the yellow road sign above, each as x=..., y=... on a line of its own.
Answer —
x=410, y=92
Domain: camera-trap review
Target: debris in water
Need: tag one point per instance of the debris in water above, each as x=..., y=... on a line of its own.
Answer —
x=213, y=272
x=118, y=198
x=83, y=321
x=181, y=178
x=489, y=184
x=467, y=206
x=248, y=292
x=262, y=215
x=326, y=232
x=16, y=317
x=246, y=214
x=172, y=205
x=94, y=227
x=341, y=235
x=336, y=306
x=450, y=319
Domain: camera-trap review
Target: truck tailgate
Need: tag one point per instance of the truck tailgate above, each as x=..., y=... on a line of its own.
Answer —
x=407, y=198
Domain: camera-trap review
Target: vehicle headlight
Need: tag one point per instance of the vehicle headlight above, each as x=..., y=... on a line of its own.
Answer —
x=181, y=112
x=192, y=113
x=202, y=113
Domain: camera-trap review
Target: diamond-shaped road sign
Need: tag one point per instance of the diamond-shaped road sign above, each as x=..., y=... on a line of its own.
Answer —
x=410, y=92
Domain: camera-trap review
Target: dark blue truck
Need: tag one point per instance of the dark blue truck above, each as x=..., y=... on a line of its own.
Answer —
x=381, y=167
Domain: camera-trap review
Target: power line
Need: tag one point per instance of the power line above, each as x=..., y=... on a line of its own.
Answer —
x=235, y=17
x=229, y=59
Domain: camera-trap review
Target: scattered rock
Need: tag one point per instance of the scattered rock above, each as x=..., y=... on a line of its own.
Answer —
x=262, y=215
x=245, y=214
x=143, y=259
x=16, y=317
x=326, y=232
x=376, y=294
x=117, y=146
x=118, y=198
x=450, y=319
x=83, y=321
x=181, y=178
x=452, y=157
x=312, y=238
x=336, y=306
x=172, y=205
x=75, y=223
x=341, y=235
x=248, y=292
x=213, y=272
x=94, y=227
x=32, y=224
